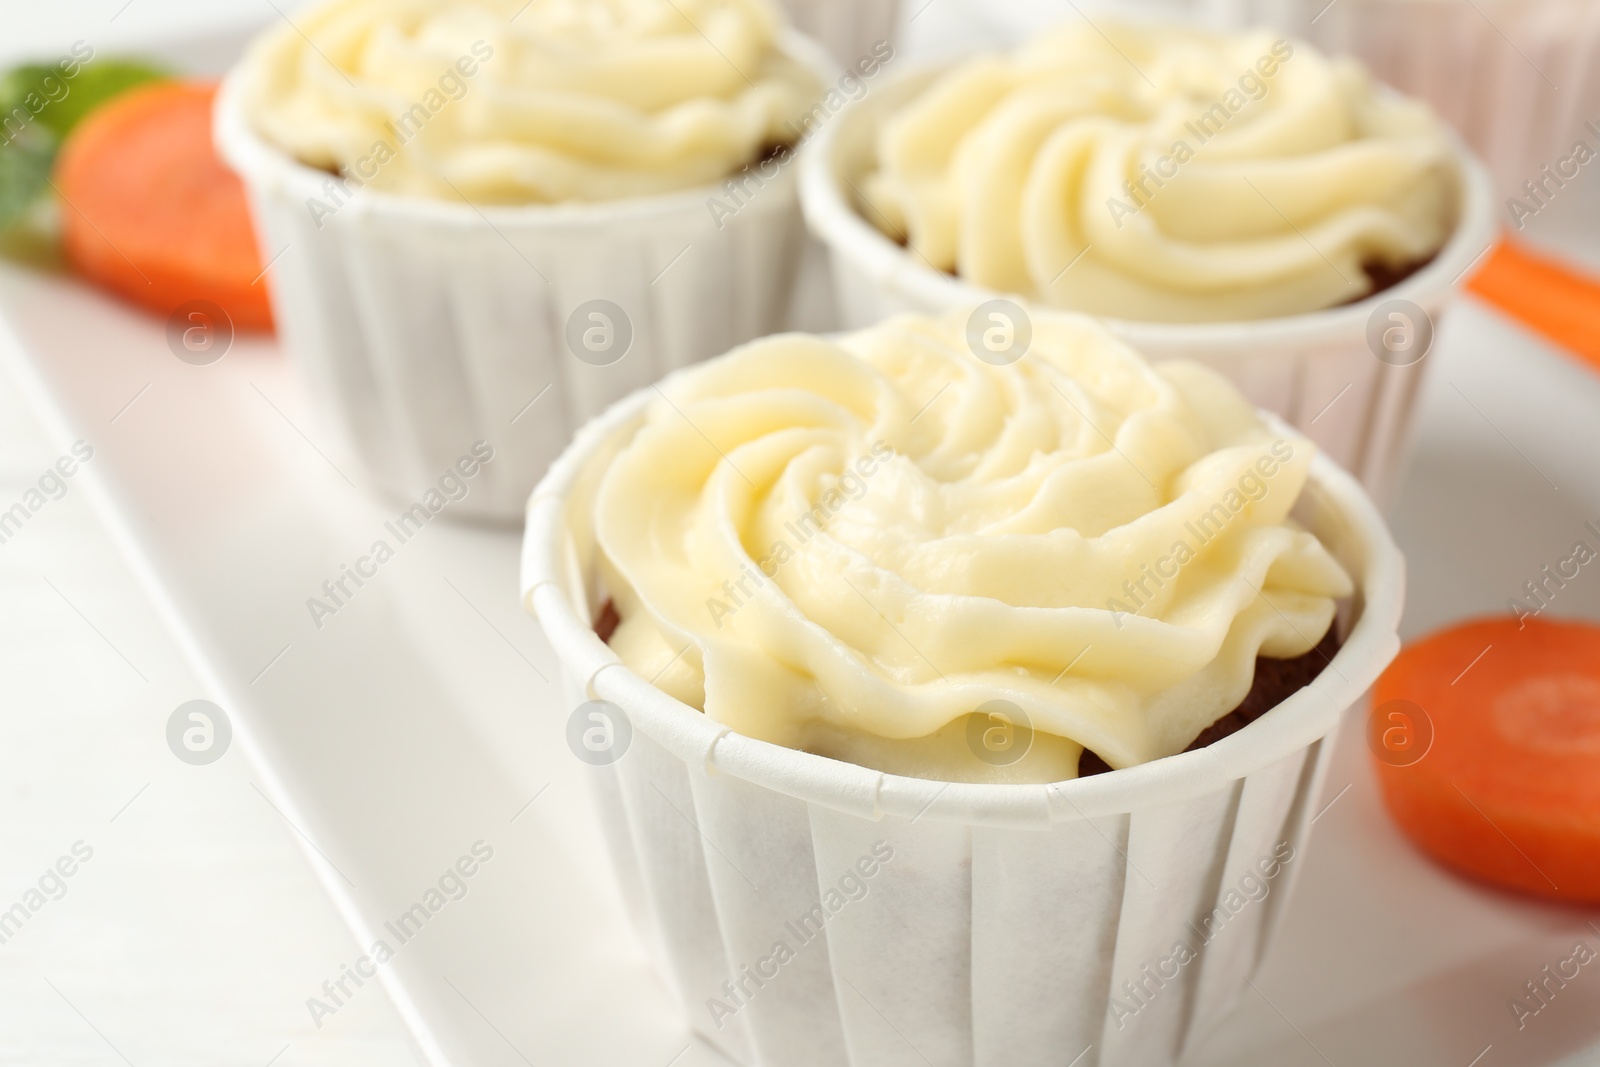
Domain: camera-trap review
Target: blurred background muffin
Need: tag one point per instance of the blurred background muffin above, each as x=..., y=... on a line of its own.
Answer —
x=487, y=219
x=1234, y=198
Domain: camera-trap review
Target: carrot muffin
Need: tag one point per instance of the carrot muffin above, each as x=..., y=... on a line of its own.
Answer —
x=880, y=549
x=506, y=102
x=487, y=220
x=1163, y=174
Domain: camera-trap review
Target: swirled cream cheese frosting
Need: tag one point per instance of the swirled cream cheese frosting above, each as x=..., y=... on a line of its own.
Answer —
x=507, y=101
x=1165, y=174
x=862, y=548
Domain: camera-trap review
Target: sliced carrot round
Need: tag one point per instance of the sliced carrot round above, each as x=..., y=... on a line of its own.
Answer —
x=1507, y=787
x=151, y=213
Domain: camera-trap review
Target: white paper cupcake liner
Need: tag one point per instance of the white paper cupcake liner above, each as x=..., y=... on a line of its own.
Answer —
x=846, y=28
x=1317, y=371
x=1520, y=79
x=1008, y=916
x=425, y=326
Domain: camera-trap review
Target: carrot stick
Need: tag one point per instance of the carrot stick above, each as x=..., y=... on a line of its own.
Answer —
x=1544, y=295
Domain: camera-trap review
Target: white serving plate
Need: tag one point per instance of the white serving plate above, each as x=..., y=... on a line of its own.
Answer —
x=421, y=718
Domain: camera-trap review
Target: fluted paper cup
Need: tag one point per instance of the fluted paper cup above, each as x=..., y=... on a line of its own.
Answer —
x=924, y=923
x=846, y=28
x=426, y=326
x=1321, y=372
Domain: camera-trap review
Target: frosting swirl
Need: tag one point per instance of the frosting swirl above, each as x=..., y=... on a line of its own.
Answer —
x=1165, y=174
x=852, y=547
x=502, y=102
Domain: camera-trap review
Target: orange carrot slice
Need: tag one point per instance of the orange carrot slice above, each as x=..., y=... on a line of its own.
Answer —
x=1508, y=790
x=1544, y=295
x=149, y=211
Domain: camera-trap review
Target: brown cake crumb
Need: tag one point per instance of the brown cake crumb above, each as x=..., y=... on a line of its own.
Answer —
x=772, y=150
x=1091, y=763
x=608, y=621
x=1276, y=680
x=1384, y=276
x=1381, y=274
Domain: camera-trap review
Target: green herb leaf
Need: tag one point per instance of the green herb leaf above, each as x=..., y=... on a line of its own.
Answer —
x=96, y=82
x=25, y=163
x=39, y=106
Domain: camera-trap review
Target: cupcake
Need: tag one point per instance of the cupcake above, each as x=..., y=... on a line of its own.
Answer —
x=1237, y=199
x=487, y=220
x=975, y=711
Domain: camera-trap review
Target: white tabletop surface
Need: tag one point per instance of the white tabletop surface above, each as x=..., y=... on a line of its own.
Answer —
x=196, y=932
